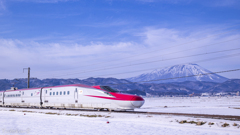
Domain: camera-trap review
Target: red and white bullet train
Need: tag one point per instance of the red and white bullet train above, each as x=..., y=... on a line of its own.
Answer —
x=71, y=96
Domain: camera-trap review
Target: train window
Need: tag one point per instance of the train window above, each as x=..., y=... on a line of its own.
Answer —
x=46, y=91
x=50, y=93
x=56, y=93
x=64, y=92
x=60, y=93
x=108, y=89
x=68, y=92
x=31, y=94
x=22, y=93
x=76, y=90
x=53, y=93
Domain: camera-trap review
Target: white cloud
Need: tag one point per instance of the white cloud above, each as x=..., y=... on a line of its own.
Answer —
x=2, y=5
x=57, y=58
x=51, y=56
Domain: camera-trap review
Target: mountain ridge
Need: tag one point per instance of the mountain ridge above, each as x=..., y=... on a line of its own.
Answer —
x=178, y=71
x=125, y=86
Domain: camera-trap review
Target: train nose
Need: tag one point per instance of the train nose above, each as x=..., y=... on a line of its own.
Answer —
x=137, y=101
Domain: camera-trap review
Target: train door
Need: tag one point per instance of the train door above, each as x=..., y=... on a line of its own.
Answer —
x=41, y=96
x=76, y=95
x=3, y=98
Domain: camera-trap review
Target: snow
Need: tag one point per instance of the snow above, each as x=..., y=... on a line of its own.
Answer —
x=14, y=122
x=39, y=121
x=196, y=105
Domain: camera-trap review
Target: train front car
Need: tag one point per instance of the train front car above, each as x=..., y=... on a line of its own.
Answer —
x=122, y=101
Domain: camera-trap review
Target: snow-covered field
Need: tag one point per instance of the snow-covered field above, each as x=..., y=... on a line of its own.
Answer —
x=40, y=121
x=196, y=105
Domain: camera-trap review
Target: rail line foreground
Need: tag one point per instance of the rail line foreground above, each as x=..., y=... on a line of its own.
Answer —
x=211, y=116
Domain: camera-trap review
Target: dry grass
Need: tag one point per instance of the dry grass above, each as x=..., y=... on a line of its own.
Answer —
x=199, y=123
x=12, y=110
x=27, y=111
x=183, y=121
x=94, y=116
x=235, y=124
x=225, y=125
x=210, y=123
x=51, y=113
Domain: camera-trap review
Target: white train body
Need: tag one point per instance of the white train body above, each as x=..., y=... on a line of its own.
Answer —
x=70, y=96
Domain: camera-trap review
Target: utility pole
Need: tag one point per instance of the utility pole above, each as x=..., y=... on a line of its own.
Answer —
x=28, y=83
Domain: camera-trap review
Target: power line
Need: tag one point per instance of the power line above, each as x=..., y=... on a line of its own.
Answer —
x=168, y=66
x=180, y=77
x=187, y=49
x=162, y=48
x=149, y=62
x=160, y=55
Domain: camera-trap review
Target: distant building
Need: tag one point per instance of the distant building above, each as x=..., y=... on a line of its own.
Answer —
x=190, y=95
x=220, y=94
x=205, y=94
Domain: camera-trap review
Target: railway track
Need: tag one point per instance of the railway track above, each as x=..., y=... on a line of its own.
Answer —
x=225, y=117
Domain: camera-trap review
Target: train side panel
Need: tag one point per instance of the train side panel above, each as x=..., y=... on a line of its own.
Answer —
x=12, y=98
x=70, y=96
x=60, y=97
x=31, y=98
x=88, y=98
x=1, y=98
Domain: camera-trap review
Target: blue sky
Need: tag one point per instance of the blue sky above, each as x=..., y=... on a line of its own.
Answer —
x=65, y=38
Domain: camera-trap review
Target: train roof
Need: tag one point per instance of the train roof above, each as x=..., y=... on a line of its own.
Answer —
x=76, y=85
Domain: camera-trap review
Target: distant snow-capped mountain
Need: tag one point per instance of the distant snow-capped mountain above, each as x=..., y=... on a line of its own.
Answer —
x=179, y=71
